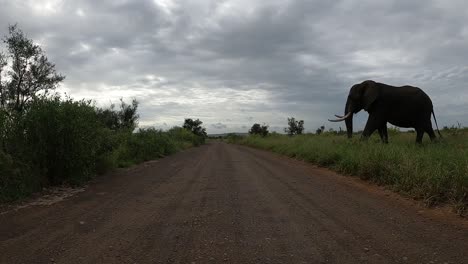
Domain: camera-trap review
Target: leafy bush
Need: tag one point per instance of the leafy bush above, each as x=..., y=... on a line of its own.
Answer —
x=258, y=129
x=234, y=138
x=126, y=118
x=148, y=144
x=61, y=139
x=16, y=179
x=195, y=127
x=185, y=138
x=294, y=127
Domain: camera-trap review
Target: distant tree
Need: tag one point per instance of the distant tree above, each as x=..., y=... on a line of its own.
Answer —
x=109, y=117
x=294, y=127
x=258, y=129
x=320, y=130
x=195, y=127
x=128, y=115
x=124, y=118
x=24, y=72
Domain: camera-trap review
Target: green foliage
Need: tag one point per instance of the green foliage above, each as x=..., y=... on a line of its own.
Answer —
x=47, y=140
x=258, y=129
x=294, y=127
x=126, y=118
x=235, y=138
x=17, y=180
x=61, y=139
x=196, y=128
x=30, y=72
x=185, y=137
x=433, y=172
x=320, y=130
x=147, y=144
x=454, y=130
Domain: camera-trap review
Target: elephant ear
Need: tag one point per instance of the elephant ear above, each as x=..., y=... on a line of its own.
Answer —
x=370, y=94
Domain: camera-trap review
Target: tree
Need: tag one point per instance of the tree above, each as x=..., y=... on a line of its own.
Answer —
x=320, y=130
x=258, y=129
x=195, y=127
x=125, y=118
x=24, y=72
x=128, y=115
x=294, y=127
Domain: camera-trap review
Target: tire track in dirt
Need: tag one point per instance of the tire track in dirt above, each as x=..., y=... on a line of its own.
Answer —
x=382, y=241
x=222, y=203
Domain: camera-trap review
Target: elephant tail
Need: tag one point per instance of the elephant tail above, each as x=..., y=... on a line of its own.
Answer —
x=437, y=126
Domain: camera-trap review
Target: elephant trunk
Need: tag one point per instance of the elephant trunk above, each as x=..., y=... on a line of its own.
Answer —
x=349, y=120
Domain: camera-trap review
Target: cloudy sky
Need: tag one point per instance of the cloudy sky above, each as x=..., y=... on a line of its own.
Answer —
x=232, y=63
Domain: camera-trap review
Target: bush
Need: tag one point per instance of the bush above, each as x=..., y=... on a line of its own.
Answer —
x=16, y=179
x=258, y=129
x=185, y=138
x=234, y=138
x=148, y=144
x=62, y=139
x=294, y=127
x=196, y=128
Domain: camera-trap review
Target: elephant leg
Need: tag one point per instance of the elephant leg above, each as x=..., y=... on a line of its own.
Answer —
x=383, y=134
x=428, y=129
x=419, y=135
x=374, y=122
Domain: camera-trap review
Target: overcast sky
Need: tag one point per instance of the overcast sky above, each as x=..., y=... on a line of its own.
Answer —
x=234, y=63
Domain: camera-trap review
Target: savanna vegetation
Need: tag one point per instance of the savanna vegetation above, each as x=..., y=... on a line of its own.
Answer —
x=258, y=129
x=46, y=139
x=295, y=127
x=434, y=172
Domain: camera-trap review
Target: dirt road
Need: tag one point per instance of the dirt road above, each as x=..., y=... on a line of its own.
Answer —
x=223, y=203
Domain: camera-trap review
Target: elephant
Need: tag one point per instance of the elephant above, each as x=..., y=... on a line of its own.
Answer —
x=404, y=106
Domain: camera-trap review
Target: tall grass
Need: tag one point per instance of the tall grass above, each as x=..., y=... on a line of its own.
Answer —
x=62, y=141
x=434, y=172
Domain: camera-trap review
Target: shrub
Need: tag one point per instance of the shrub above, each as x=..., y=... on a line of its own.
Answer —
x=185, y=138
x=294, y=127
x=61, y=139
x=16, y=179
x=195, y=127
x=258, y=129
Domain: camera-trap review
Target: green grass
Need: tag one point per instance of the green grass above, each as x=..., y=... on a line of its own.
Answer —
x=60, y=141
x=434, y=172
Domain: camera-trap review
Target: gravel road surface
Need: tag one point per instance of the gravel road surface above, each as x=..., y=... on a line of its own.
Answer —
x=222, y=203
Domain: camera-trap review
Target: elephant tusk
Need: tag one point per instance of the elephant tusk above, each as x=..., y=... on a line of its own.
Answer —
x=340, y=118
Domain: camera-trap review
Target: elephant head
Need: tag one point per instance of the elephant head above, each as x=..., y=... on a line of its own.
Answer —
x=361, y=96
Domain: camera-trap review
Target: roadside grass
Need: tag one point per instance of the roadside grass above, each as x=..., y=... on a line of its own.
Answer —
x=434, y=172
x=59, y=141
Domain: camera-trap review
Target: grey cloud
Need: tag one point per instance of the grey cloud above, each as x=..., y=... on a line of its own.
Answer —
x=250, y=61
